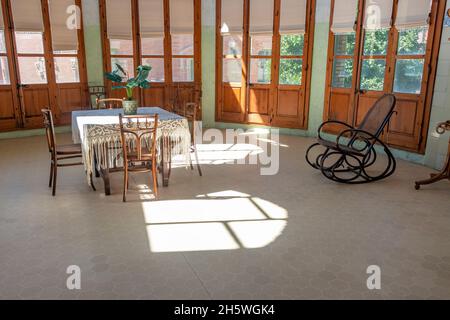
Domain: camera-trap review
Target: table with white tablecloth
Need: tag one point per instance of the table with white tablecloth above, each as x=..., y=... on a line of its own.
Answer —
x=98, y=131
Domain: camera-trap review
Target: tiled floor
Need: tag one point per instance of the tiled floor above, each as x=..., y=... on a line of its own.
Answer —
x=232, y=234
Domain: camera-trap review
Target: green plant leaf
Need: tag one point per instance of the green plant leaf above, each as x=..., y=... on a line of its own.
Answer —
x=122, y=70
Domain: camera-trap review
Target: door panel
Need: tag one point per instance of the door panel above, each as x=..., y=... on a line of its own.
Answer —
x=259, y=105
x=71, y=97
x=154, y=97
x=7, y=111
x=34, y=99
x=231, y=99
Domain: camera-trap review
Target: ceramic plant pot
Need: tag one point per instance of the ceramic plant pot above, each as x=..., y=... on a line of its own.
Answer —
x=130, y=107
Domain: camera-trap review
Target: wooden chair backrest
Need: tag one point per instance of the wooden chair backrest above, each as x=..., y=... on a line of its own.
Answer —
x=138, y=127
x=49, y=129
x=109, y=103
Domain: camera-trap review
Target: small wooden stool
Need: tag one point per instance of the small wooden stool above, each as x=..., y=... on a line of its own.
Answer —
x=445, y=174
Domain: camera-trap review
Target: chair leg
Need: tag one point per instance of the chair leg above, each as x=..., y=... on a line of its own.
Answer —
x=155, y=178
x=125, y=184
x=51, y=175
x=55, y=172
x=198, y=162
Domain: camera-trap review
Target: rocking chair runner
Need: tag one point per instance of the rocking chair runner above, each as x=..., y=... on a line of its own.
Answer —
x=348, y=161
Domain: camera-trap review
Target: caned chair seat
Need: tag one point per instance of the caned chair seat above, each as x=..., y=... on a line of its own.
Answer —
x=333, y=145
x=68, y=149
x=146, y=155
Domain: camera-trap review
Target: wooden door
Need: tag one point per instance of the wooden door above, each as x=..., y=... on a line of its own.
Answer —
x=10, y=115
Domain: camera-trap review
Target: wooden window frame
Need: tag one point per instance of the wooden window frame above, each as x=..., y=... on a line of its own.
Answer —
x=338, y=107
x=62, y=97
x=273, y=116
x=162, y=94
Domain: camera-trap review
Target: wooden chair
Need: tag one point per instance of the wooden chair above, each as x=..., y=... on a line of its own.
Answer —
x=189, y=111
x=58, y=152
x=96, y=93
x=138, y=135
x=347, y=159
x=110, y=103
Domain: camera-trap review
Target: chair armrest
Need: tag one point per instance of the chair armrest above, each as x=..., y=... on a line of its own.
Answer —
x=358, y=135
x=319, y=131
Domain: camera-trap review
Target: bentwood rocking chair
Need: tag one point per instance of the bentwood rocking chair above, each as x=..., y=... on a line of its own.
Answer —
x=348, y=159
x=138, y=135
x=58, y=152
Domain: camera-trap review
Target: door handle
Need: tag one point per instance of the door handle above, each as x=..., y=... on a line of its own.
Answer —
x=19, y=86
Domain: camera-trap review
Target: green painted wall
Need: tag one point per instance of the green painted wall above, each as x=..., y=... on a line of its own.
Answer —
x=436, y=147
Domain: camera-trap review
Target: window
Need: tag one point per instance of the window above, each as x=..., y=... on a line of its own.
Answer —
x=410, y=61
x=263, y=56
x=390, y=44
x=182, y=35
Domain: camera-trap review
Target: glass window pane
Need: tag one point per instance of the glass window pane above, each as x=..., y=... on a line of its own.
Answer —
x=342, y=73
x=2, y=42
x=182, y=44
x=261, y=45
x=344, y=44
x=372, y=74
x=32, y=70
x=29, y=42
x=413, y=41
x=376, y=42
x=408, y=76
x=232, y=45
x=291, y=71
x=292, y=44
x=152, y=46
x=121, y=47
x=66, y=70
x=260, y=70
x=126, y=63
x=183, y=69
x=157, y=72
x=232, y=70
x=4, y=71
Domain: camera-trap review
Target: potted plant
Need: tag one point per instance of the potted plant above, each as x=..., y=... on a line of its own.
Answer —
x=123, y=80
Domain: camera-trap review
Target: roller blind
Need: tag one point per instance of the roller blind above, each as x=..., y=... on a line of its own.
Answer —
x=232, y=16
x=344, y=16
x=2, y=22
x=64, y=36
x=151, y=18
x=412, y=13
x=261, y=17
x=181, y=16
x=27, y=15
x=119, y=21
x=293, y=16
x=377, y=14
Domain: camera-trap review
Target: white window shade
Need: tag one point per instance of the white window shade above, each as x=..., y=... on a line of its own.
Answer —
x=293, y=16
x=377, y=14
x=344, y=16
x=151, y=18
x=412, y=13
x=232, y=13
x=2, y=22
x=27, y=15
x=64, y=35
x=261, y=17
x=181, y=16
x=118, y=19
